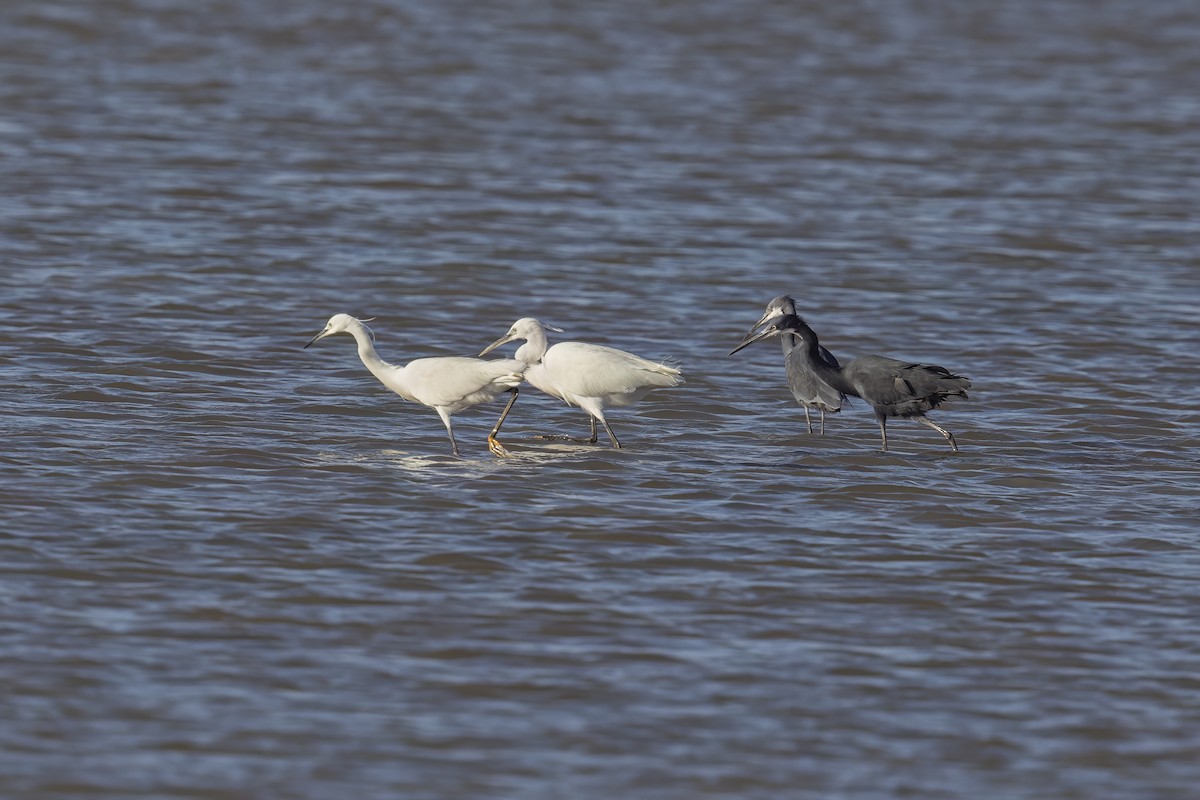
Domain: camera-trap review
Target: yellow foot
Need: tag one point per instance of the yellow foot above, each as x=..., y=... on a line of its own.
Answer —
x=497, y=448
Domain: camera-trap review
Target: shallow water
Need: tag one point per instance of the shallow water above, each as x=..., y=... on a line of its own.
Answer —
x=233, y=567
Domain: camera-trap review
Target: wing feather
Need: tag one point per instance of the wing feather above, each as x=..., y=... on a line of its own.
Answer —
x=457, y=382
x=593, y=370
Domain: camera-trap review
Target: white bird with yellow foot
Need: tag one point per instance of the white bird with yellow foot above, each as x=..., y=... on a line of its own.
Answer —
x=446, y=384
x=591, y=376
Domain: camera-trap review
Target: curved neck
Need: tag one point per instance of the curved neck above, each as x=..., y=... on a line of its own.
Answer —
x=534, y=348
x=789, y=340
x=807, y=343
x=366, y=351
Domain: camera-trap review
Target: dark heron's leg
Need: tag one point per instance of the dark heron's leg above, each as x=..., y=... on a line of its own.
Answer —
x=807, y=420
x=449, y=429
x=595, y=437
x=494, y=443
x=822, y=422
x=949, y=436
x=883, y=431
x=611, y=437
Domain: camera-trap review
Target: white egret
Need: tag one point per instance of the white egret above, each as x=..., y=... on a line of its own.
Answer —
x=446, y=384
x=893, y=388
x=591, y=376
x=808, y=389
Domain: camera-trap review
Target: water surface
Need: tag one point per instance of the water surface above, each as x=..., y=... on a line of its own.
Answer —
x=232, y=567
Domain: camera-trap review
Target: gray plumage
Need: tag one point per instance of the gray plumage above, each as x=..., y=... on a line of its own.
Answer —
x=893, y=388
x=808, y=389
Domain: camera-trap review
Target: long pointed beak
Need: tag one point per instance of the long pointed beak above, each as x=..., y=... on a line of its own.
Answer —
x=766, y=316
x=505, y=339
x=314, y=340
x=753, y=337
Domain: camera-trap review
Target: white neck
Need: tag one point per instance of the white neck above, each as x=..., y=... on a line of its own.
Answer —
x=366, y=351
x=534, y=348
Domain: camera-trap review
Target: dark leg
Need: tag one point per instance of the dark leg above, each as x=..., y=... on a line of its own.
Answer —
x=595, y=437
x=449, y=429
x=494, y=443
x=808, y=420
x=949, y=436
x=611, y=437
x=883, y=431
x=822, y=422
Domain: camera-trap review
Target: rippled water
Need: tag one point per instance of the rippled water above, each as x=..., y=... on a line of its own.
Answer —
x=232, y=567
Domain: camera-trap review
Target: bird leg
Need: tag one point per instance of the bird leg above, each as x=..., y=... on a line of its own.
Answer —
x=445, y=415
x=883, y=431
x=592, y=439
x=822, y=422
x=949, y=436
x=808, y=421
x=494, y=443
x=611, y=437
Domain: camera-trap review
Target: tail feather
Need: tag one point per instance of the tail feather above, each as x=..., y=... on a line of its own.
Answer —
x=668, y=372
x=924, y=387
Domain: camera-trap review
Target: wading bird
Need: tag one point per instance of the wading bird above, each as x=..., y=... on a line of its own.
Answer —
x=893, y=388
x=446, y=384
x=809, y=390
x=591, y=376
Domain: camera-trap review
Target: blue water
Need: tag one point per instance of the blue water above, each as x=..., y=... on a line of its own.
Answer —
x=233, y=567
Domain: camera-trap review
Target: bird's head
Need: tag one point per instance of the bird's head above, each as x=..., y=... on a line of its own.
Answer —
x=338, y=323
x=783, y=304
x=524, y=328
x=785, y=323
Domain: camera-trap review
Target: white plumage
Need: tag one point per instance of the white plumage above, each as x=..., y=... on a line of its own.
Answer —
x=446, y=384
x=591, y=376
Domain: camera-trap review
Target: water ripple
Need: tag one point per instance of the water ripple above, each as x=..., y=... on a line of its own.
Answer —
x=232, y=566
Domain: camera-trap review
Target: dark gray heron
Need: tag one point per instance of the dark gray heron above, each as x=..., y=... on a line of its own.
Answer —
x=446, y=384
x=809, y=390
x=893, y=388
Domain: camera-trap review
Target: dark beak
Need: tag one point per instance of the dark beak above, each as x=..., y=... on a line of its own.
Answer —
x=753, y=337
x=765, y=317
x=314, y=340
